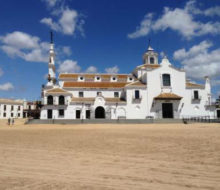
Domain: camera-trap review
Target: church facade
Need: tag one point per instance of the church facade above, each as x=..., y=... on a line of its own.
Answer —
x=152, y=90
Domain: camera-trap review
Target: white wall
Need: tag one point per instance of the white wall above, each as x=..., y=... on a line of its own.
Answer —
x=16, y=113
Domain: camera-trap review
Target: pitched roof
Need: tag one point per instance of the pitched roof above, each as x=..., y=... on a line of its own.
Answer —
x=167, y=96
x=89, y=76
x=57, y=91
x=115, y=100
x=136, y=84
x=11, y=101
x=94, y=84
x=83, y=99
x=193, y=85
x=151, y=66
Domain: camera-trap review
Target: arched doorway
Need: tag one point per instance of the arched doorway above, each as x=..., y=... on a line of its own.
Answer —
x=99, y=113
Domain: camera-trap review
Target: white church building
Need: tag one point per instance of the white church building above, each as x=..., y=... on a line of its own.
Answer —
x=152, y=90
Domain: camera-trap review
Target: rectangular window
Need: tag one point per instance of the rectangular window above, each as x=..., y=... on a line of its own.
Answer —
x=166, y=80
x=116, y=94
x=81, y=94
x=4, y=107
x=4, y=115
x=12, y=115
x=78, y=113
x=137, y=94
x=196, y=94
x=12, y=108
x=61, y=113
x=19, y=114
x=19, y=107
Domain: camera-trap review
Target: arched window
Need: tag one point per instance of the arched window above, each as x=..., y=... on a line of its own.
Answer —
x=50, y=100
x=151, y=60
x=61, y=100
x=166, y=80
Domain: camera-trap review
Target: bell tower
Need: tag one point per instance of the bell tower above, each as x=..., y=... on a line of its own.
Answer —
x=51, y=65
x=150, y=57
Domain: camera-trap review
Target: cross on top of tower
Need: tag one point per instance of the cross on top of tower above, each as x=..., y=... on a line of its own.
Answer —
x=149, y=45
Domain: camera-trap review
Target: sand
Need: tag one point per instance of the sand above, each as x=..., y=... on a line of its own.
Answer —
x=148, y=156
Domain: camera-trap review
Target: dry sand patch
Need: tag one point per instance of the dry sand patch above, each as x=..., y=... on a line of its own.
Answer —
x=152, y=156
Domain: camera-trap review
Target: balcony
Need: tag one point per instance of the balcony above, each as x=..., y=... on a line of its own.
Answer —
x=196, y=98
x=136, y=100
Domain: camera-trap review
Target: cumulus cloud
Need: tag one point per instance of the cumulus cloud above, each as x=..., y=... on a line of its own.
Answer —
x=25, y=46
x=199, y=61
x=6, y=87
x=28, y=47
x=181, y=20
x=144, y=28
x=68, y=20
x=91, y=69
x=213, y=11
x=69, y=66
x=112, y=70
x=49, y=22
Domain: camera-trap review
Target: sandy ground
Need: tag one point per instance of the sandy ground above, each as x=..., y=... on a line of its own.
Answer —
x=154, y=157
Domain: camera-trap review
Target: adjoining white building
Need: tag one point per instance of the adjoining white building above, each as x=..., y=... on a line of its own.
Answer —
x=152, y=90
x=10, y=108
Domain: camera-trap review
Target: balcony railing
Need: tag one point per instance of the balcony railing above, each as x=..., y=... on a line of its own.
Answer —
x=198, y=98
x=136, y=99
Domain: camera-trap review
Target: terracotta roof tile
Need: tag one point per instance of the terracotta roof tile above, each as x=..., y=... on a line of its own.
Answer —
x=94, y=84
x=89, y=76
x=56, y=90
x=137, y=83
x=83, y=99
x=167, y=96
x=151, y=66
x=11, y=101
x=194, y=85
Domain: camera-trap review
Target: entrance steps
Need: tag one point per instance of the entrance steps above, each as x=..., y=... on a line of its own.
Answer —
x=102, y=121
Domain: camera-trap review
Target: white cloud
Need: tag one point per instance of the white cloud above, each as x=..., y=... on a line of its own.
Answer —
x=6, y=87
x=198, y=61
x=20, y=40
x=68, y=23
x=144, y=28
x=1, y=72
x=49, y=22
x=25, y=46
x=91, y=69
x=112, y=70
x=213, y=11
x=28, y=47
x=180, y=20
x=69, y=66
x=51, y=3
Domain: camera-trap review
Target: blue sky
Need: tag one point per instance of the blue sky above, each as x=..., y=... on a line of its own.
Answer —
x=105, y=36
